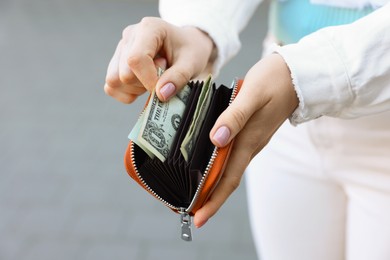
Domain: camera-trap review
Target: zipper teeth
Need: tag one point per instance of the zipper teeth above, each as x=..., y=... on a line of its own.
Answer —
x=234, y=92
x=202, y=181
x=146, y=185
x=213, y=156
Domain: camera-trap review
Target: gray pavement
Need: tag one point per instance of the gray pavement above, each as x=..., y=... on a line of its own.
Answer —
x=64, y=193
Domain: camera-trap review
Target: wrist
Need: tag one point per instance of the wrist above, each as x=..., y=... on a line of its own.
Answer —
x=285, y=83
x=274, y=77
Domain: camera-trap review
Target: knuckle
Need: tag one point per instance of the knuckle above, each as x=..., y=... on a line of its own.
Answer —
x=134, y=60
x=109, y=90
x=239, y=117
x=148, y=20
x=126, y=32
x=184, y=76
x=112, y=81
x=126, y=78
x=153, y=25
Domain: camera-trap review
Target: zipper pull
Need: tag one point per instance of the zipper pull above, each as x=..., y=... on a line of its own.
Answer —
x=185, y=219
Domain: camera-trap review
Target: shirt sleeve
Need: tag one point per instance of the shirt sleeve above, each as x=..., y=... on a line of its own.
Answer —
x=342, y=71
x=221, y=20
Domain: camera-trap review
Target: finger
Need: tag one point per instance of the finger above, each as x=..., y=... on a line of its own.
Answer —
x=176, y=77
x=134, y=90
x=119, y=95
x=234, y=118
x=126, y=76
x=136, y=86
x=114, y=86
x=147, y=42
x=229, y=182
x=124, y=94
x=112, y=76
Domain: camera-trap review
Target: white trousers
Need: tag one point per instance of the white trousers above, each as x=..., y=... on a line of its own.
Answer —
x=322, y=191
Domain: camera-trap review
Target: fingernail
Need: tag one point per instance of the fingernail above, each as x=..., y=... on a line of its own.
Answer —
x=167, y=90
x=199, y=225
x=222, y=135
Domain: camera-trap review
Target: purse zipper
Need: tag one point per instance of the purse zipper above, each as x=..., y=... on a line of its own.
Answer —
x=185, y=218
x=213, y=155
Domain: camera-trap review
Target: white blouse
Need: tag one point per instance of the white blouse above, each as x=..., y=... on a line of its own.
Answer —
x=341, y=71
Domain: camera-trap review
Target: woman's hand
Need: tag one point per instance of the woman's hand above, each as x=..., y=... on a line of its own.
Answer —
x=267, y=98
x=185, y=51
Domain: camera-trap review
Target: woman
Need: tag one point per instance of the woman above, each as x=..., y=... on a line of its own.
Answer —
x=320, y=190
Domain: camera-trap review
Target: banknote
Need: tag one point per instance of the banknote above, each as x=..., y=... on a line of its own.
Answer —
x=187, y=146
x=160, y=123
x=133, y=135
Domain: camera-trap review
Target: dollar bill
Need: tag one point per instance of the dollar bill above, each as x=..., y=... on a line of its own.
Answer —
x=133, y=135
x=160, y=123
x=187, y=146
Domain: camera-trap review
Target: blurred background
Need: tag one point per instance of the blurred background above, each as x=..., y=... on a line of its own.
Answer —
x=64, y=192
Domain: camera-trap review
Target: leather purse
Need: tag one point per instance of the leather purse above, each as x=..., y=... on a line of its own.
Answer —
x=184, y=186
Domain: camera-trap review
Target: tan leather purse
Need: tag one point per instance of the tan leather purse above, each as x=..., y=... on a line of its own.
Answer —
x=185, y=186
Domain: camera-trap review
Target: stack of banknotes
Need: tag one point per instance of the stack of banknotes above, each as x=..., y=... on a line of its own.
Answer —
x=156, y=127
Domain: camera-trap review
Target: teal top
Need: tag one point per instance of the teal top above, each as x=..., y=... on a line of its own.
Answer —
x=290, y=20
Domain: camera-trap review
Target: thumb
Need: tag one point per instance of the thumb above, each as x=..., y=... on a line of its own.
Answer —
x=174, y=79
x=232, y=120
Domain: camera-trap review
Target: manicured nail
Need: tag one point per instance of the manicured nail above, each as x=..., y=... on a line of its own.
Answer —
x=199, y=225
x=167, y=90
x=222, y=135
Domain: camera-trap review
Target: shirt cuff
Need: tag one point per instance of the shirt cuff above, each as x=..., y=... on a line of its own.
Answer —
x=319, y=77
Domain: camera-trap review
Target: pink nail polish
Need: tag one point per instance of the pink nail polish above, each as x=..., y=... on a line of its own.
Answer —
x=222, y=135
x=167, y=90
x=199, y=225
